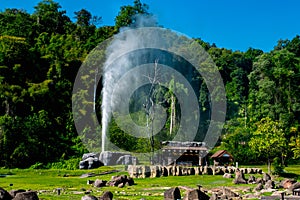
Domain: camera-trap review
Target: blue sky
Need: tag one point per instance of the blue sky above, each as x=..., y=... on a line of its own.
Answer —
x=233, y=24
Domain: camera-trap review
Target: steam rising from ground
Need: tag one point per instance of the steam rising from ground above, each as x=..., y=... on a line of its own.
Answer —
x=134, y=58
x=123, y=43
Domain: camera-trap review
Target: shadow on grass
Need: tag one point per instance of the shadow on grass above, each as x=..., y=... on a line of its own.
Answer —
x=290, y=175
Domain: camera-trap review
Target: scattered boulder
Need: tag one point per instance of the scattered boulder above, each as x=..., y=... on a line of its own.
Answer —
x=214, y=196
x=4, y=195
x=251, y=179
x=120, y=181
x=278, y=193
x=13, y=193
x=228, y=194
x=130, y=181
x=107, y=196
x=251, y=196
x=259, y=187
x=269, y=184
x=30, y=195
x=121, y=185
x=247, y=189
x=195, y=195
x=294, y=186
x=90, y=182
x=266, y=177
x=227, y=175
x=90, y=161
x=286, y=183
x=116, y=180
x=268, y=190
x=172, y=194
x=259, y=180
x=239, y=177
x=99, y=183
x=89, y=197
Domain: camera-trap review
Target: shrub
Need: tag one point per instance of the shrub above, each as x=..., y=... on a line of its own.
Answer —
x=277, y=166
x=70, y=164
x=37, y=165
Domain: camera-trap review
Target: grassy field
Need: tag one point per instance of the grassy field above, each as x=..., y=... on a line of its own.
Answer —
x=73, y=186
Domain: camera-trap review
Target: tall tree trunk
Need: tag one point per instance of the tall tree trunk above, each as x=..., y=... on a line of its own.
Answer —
x=269, y=165
x=173, y=114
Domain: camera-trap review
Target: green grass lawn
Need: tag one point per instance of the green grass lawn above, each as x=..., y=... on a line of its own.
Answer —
x=73, y=187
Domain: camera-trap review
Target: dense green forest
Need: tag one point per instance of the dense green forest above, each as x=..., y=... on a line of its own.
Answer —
x=40, y=54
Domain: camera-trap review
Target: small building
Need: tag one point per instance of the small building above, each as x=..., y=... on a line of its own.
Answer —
x=184, y=153
x=222, y=157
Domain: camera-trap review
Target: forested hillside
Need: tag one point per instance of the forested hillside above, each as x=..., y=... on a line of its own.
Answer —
x=41, y=52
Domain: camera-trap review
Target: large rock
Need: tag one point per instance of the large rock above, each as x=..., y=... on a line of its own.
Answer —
x=214, y=196
x=259, y=180
x=172, y=194
x=286, y=183
x=227, y=175
x=269, y=184
x=226, y=192
x=90, y=161
x=4, y=195
x=251, y=179
x=251, y=196
x=13, y=193
x=90, y=155
x=195, y=195
x=111, y=158
x=30, y=195
x=259, y=187
x=89, y=197
x=266, y=177
x=99, y=183
x=120, y=181
x=107, y=196
x=294, y=186
x=127, y=160
x=239, y=177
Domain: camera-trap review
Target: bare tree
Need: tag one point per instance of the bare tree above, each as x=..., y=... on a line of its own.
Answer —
x=150, y=104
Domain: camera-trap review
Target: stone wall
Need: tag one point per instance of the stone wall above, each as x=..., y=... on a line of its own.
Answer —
x=144, y=171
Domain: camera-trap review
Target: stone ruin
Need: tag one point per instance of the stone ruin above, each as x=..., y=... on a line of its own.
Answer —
x=144, y=171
